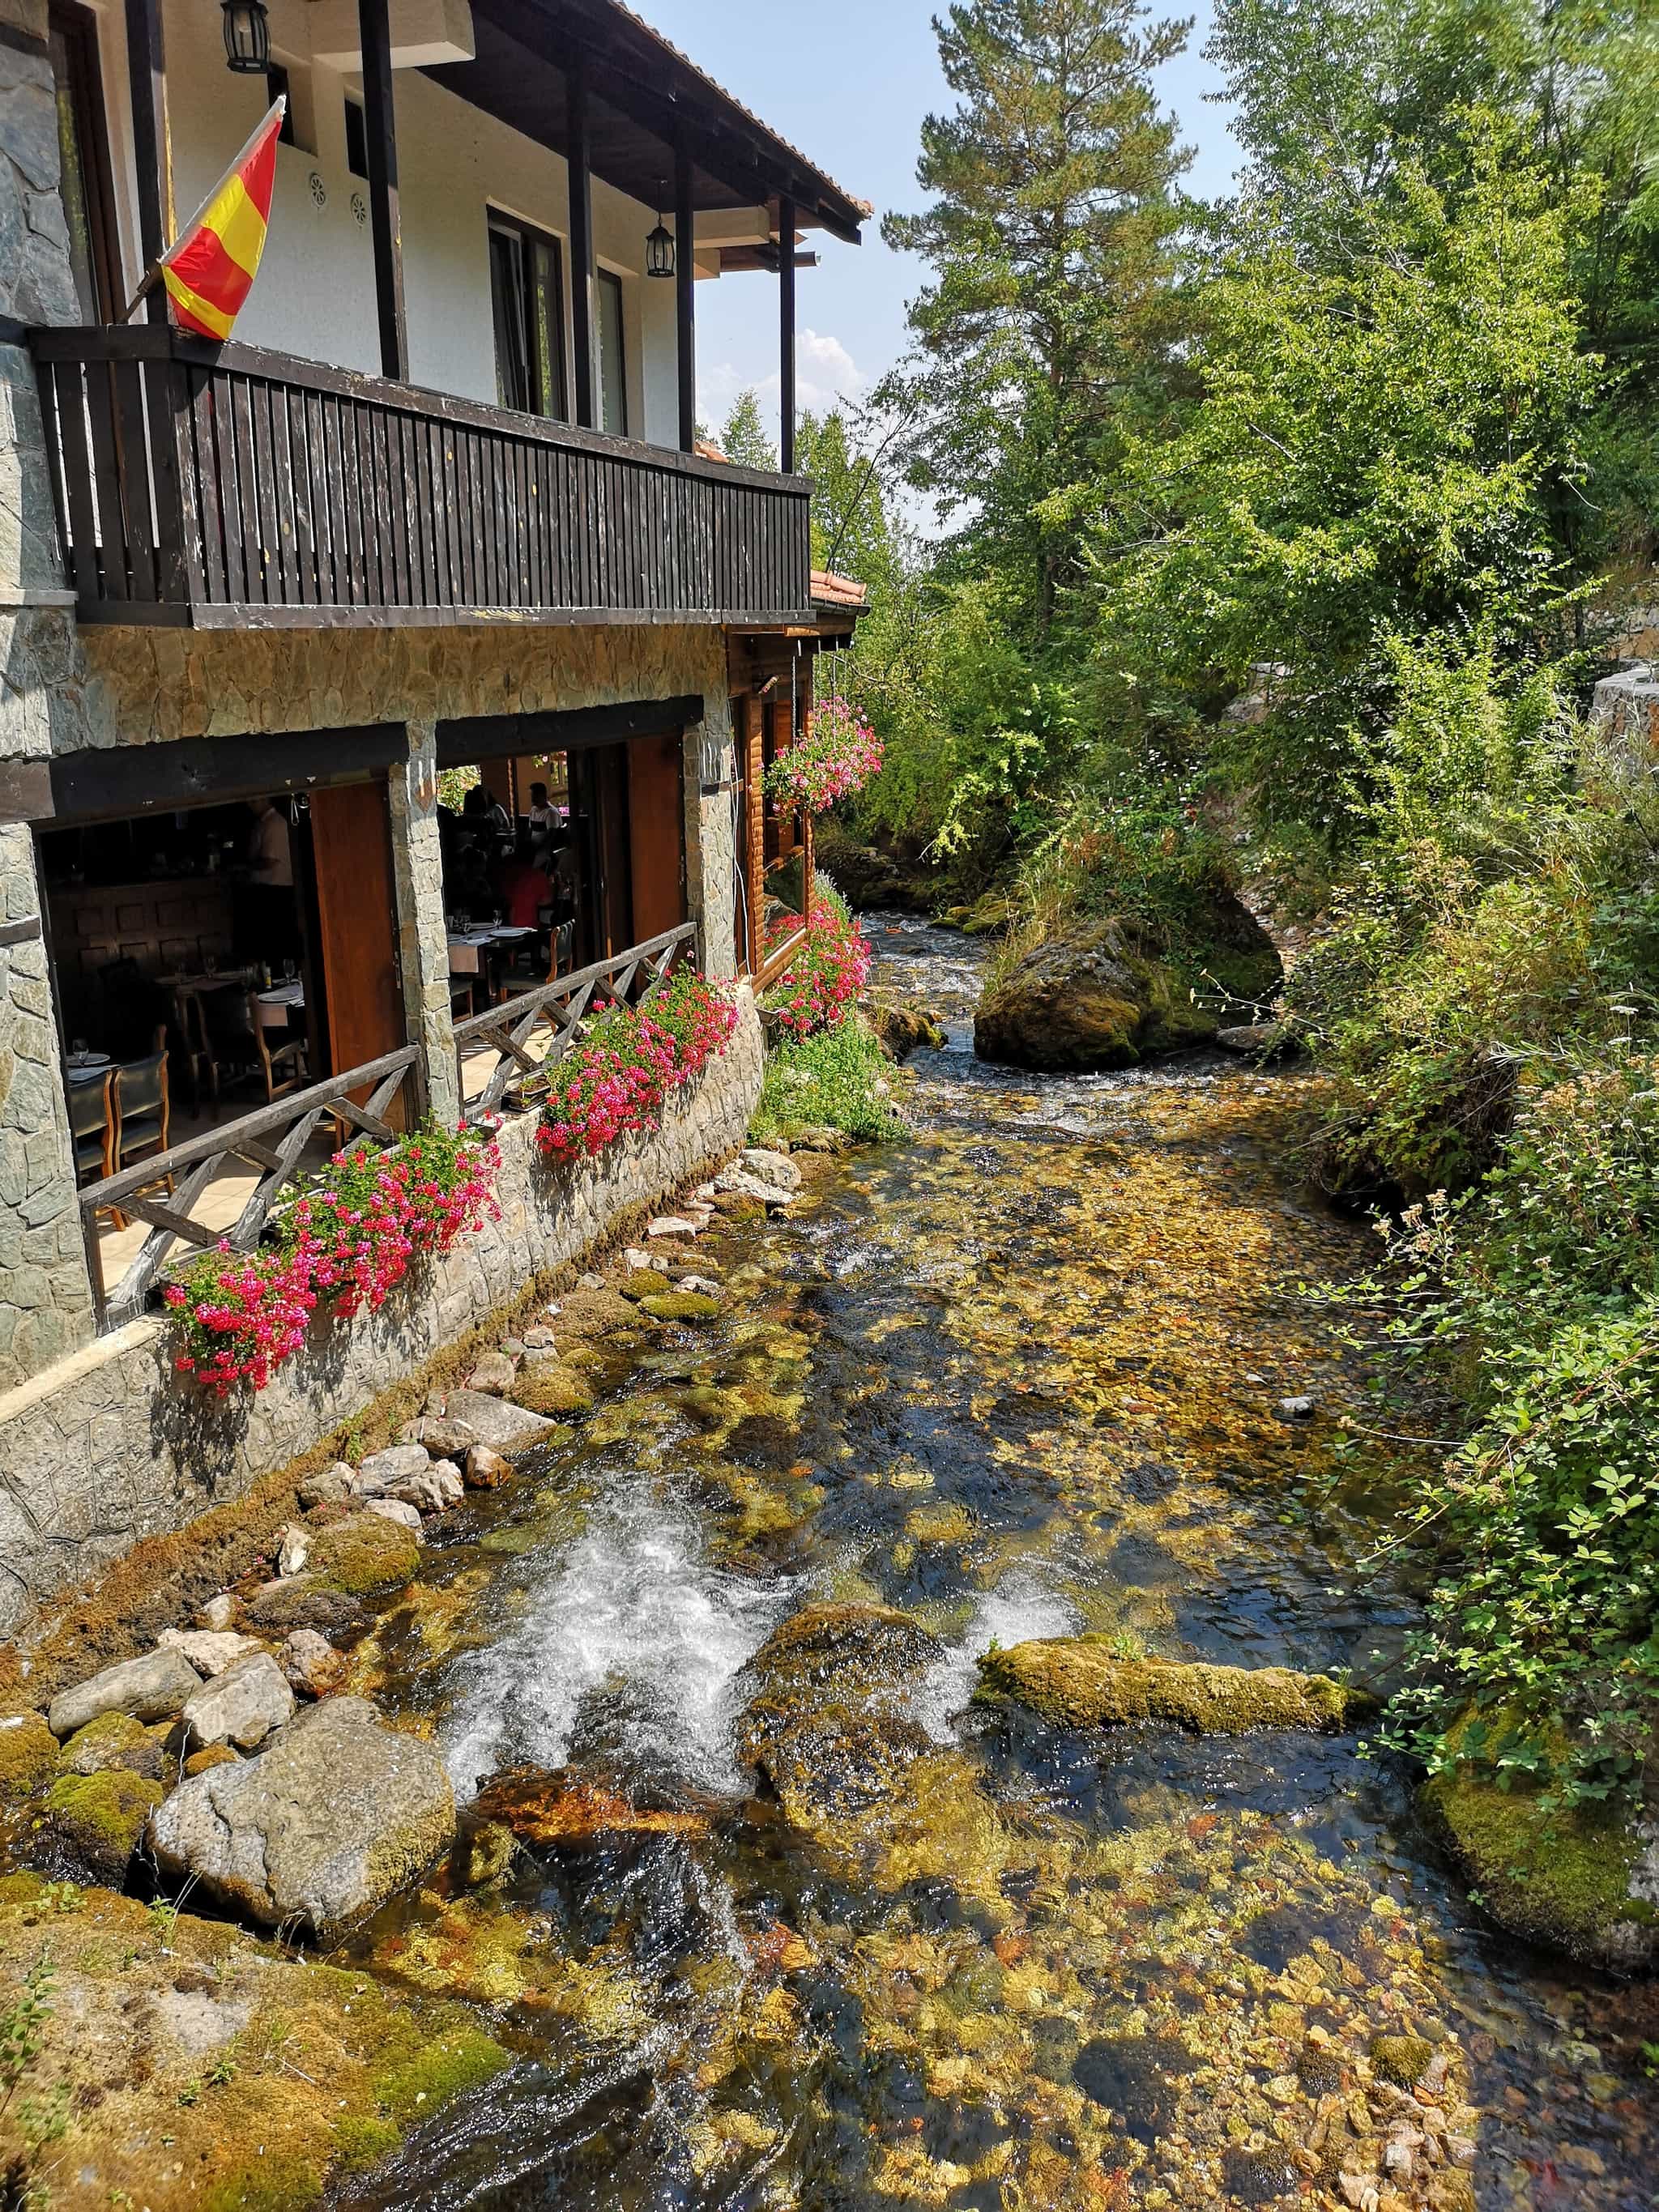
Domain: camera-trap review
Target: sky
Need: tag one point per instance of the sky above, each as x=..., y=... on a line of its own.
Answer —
x=850, y=85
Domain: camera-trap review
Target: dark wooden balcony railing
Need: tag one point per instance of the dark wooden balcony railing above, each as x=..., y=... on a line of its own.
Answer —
x=520, y=1076
x=220, y=487
x=274, y=1141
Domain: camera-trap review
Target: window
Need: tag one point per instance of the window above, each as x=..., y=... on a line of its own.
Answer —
x=83, y=163
x=357, y=139
x=527, y=286
x=277, y=88
x=613, y=359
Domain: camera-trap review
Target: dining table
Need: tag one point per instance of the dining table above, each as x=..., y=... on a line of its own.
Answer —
x=86, y=1066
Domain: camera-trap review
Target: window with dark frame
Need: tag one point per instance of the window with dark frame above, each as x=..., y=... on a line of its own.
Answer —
x=85, y=187
x=527, y=285
x=613, y=356
x=357, y=139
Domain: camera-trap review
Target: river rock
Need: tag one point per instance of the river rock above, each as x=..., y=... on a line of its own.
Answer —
x=671, y=1224
x=434, y=1490
x=382, y=1471
x=644, y=1283
x=1106, y=997
x=538, y=1805
x=474, y=1417
x=153, y=1688
x=1296, y=1409
x=310, y=1664
x=241, y=1706
x=93, y=1822
x=329, y=1485
x=1580, y=1879
x=365, y=1555
x=398, y=1512
x=736, y=1184
x=293, y=1551
x=113, y=1740
x=29, y=1754
x=209, y=1651
x=546, y=1386
x=334, y=1819
x=220, y=1612
x=485, y=1469
x=680, y=1305
x=306, y=1601
x=900, y=1030
x=493, y=1373
x=776, y=1169
x=600, y=1312
x=1262, y=1042
x=1078, y=1681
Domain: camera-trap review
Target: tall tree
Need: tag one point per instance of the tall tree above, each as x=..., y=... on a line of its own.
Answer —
x=743, y=436
x=1048, y=322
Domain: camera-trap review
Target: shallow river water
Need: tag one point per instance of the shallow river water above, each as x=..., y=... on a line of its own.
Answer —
x=1017, y=1375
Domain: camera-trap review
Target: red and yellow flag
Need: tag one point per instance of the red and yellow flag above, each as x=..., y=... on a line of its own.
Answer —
x=208, y=273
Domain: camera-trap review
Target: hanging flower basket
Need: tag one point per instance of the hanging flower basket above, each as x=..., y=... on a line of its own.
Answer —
x=836, y=755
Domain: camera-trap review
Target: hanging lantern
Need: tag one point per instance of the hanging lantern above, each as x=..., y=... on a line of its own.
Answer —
x=659, y=246
x=247, y=37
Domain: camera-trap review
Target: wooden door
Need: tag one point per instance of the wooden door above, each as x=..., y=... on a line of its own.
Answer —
x=357, y=910
x=751, y=770
x=656, y=834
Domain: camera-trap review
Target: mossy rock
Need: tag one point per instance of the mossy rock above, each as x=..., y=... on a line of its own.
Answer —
x=1077, y=1682
x=554, y=1390
x=941, y=1520
x=1401, y=2059
x=644, y=1283
x=682, y=1306
x=211, y=1755
x=112, y=1740
x=28, y=1755
x=593, y=1313
x=365, y=1555
x=1582, y=1879
x=96, y=1820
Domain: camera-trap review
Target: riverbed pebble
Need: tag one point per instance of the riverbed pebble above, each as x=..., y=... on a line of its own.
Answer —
x=382, y=1471
x=1296, y=1409
x=311, y=1665
x=209, y=1650
x=668, y=1224
x=494, y=1373
x=329, y=1485
x=293, y=1551
x=485, y=1469
x=396, y=1509
x=220, y=1612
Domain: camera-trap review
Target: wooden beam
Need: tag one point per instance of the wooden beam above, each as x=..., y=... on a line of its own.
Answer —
x=152, y=155
x=474, y=737
x=787, y=336
x=108, y=781
x=685, y=306
x=579, y=155
x=374, y=33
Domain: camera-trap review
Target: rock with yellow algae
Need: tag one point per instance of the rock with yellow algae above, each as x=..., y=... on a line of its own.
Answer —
x=112, y=1740
x=1079, y=1682
x=364, y=1557
x=682, y=1306
x=538, y=1805
x=29, y=1754
x=553, y=1390
x=95, y=1820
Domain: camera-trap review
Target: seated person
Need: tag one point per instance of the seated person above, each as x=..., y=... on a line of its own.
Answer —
x=525, y=891
x=469, y=890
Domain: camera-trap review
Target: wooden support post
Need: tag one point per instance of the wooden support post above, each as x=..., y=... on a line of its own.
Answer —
x=374, y=36
x=152, y=155
x=578, y=154
x=685, y=309
x=786, y=335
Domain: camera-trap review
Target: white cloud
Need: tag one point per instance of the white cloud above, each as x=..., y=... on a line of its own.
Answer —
x=824, y=374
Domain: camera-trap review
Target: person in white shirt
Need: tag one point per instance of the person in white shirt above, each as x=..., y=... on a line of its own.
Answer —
x=273, y=931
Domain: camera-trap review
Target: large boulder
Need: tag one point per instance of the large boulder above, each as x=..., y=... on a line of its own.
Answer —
x=1077, y=1682
x=339, y=1814
x=153, y=1688
x=1582, y=1879
x=1106, y=997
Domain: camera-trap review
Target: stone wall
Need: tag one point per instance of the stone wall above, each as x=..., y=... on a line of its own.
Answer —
x=112, y=1445
x=1627, y=707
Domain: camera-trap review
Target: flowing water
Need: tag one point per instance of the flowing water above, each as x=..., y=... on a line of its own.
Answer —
x=1017, y=1375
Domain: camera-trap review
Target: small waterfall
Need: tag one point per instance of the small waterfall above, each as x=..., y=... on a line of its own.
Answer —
x=637, y=1617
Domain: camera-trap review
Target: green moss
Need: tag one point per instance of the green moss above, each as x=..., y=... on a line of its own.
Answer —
x=1401, y=2059
x=29, y=1754
x=553, y=1390
x=1081, y=1682
x=1556, y=1876
x=363, y=2139
x=98, y=1818
x=112, y=1740
x=433, y=2067
x=644, y=1283
x=267, y=2185
x=682, y=1305
x=364, y=1557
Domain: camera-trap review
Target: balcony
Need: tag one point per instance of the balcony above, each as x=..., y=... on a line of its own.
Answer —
x=218, y=486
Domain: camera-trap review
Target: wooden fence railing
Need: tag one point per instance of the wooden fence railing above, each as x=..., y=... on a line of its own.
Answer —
x=273, y=1140
x=633, y=977
x=221, y=486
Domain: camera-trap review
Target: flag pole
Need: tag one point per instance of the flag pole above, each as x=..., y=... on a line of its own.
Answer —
x=152, y=276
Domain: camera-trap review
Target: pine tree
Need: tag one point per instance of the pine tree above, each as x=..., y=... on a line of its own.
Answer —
x=1048, y=327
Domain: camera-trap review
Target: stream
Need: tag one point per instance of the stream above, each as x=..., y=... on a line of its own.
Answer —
x=1018, y=1374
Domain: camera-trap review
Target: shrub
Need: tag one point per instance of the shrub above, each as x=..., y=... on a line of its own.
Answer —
x=631, y=1058
x=345, y=1243
x=827, y=1081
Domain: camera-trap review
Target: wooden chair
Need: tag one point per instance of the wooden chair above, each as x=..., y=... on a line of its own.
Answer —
x=92, y=1127
x=282, y=1062
x=142, y=1116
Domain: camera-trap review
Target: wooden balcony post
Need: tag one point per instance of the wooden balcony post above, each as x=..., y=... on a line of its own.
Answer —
x=374, y=36
x=685, y=309
x=152, y=155
x=786, y=335
x=582, y=240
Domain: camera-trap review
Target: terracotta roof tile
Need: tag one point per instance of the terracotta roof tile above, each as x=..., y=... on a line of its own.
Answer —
x=831, y=590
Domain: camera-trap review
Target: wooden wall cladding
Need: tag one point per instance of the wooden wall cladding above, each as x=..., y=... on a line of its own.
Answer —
x=165, y=927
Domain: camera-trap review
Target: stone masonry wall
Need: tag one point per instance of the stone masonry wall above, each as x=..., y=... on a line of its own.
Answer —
x=112, y=1445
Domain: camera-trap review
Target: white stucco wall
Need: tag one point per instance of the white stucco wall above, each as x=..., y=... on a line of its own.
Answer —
x=315, y=292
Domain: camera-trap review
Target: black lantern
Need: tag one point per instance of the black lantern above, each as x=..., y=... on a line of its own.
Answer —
x=247, y=37
x=658, y=245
